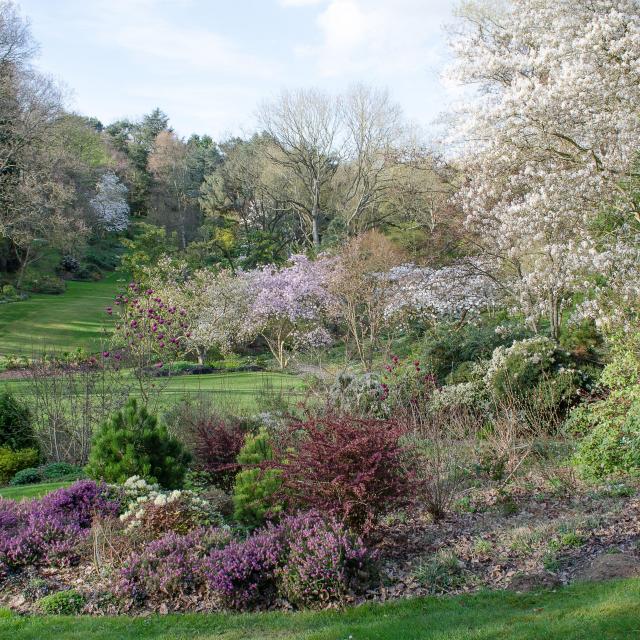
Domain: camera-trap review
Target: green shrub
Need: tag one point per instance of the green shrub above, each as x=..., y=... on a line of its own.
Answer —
x=130, y=443
x=16, y=431
x=45, y=284
x=611, y=427
x=256, y=487
x=62, y=603
x=448, y=346
x=57, y=470
x=30, y=475
x=13, y=461
x=518, y=369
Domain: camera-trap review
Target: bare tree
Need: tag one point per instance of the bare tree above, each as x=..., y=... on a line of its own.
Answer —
x=373, y=132
x=305, y=128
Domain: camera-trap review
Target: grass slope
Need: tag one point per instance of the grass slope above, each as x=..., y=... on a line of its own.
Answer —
x=30, y=491
x=63, y=322
x=587, y=611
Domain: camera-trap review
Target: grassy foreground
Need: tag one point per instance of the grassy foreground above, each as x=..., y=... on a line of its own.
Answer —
x=586, y=611
x=62, y=322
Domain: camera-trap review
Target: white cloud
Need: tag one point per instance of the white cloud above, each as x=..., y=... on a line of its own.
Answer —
x=388, y=36
x=299, y=3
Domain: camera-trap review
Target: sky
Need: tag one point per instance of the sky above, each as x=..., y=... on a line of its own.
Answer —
x=209, y=63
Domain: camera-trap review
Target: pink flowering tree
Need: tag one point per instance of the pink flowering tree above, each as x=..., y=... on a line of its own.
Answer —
x=288, y=305
x=149, y=332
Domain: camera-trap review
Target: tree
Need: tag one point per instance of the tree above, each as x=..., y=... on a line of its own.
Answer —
x=287, y=304
x=361, y=291
x=177, y=184
x=110, y=203
x=213, y=305
x=547, y=139
x=304, y=127
x=131, y=443
x=35, y=204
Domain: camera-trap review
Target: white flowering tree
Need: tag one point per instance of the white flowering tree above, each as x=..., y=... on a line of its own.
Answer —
x=110, y=203
x=548, y=137
x=455, y=291
x=211, y=307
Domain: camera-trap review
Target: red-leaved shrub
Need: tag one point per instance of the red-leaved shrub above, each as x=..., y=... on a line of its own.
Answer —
x=346, y=466
x=216, y=447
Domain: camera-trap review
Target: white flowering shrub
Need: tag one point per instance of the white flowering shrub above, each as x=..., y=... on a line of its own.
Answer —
x=471, y=396
x=154, y=511
x=359, y=394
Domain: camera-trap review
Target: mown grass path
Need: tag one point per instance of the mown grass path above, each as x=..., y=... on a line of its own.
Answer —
x=75, y=318
x=586, y=611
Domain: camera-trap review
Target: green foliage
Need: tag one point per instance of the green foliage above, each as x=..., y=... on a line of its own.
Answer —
x=57, y=470
x=62, y=603
x=146, y=247
x=16, y=431
x=47, y=473
x=442, y=573
x=13, y=461
x=43, y=283
x=611, y=426
x=256, y=486
x=130, y=443
x=448, y=346
x=30, y=475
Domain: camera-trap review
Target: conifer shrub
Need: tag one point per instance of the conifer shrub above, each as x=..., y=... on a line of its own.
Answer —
x=256, y=488
x=130, y=443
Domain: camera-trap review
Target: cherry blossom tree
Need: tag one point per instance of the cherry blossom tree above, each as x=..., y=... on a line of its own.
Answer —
x=288, y=303
x=547, y=138
x=110, y=203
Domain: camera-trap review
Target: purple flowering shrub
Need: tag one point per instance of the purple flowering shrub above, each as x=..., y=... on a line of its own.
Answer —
x=321, y=561
x=244, y=572
x=48, y=531
x=170, y=569
x=305, y=559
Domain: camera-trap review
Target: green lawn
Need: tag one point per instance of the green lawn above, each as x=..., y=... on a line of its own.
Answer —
x=595, y=611
x=64, y=322
x=29, y=491
x=232, y=390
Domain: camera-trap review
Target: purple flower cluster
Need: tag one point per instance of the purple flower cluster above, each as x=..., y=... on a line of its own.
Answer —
x=243, y=572
x=170, y=569
x=149, y=325
x=306, y=559
x=321, y=560
x=49, y=530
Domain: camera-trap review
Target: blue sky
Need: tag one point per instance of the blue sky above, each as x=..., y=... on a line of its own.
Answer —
x=209, y=63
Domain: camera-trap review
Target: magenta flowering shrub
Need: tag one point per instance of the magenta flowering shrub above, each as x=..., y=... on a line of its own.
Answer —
x=321, y=562
x=48, y=531
x=170, y=570
x=242, y=573
x=151, y=330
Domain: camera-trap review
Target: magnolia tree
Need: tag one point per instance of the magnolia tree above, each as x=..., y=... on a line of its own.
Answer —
x=149, y=332
x=110, y=203
x=547, y=139
x=287, y=305
x=454, y=291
